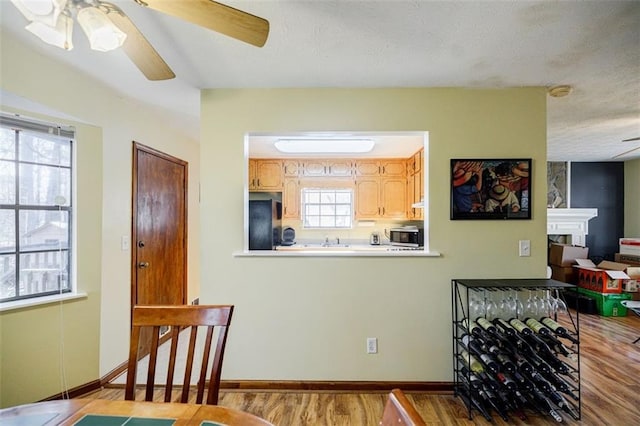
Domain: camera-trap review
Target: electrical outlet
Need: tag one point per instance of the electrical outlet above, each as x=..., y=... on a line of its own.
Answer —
x=524, y=248
x=372, y=345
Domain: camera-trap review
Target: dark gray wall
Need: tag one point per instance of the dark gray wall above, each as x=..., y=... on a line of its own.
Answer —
x=601, y=186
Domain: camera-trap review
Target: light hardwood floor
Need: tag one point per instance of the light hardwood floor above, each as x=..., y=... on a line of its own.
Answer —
x=610, y=390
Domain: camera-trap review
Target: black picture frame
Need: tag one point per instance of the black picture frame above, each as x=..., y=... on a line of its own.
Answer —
x=490, y=189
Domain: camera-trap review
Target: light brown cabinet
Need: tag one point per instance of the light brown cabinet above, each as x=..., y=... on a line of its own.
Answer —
x=291, y=167
x=415, y=185
x=380, y=197
x=385, y=167
x=327, y=168
x=291, y=198
x=265, y=175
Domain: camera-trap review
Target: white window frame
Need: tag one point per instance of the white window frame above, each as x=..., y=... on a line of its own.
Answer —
x=67, y=277
x=326, y=209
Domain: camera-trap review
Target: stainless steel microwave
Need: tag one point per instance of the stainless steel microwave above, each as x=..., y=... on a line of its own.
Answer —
x=407, y=236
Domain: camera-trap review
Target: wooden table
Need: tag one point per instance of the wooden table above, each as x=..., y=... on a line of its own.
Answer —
x=91, y=412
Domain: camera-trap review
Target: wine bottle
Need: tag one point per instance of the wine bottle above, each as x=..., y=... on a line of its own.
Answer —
x=561, y=402
x=547, y=335
x=472, y=401
x=559, y=330
x=486, y=324
x=504, y=327
x=562, y=385
x=541, y=329
x=543, y=403
x=471, y=362
x=493, y=401
x=475, y=329
x=529, y=335
x=504, y=360
x=507, y=380
x=491, y=363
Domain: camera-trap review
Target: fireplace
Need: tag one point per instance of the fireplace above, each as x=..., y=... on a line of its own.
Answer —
x=573, y=223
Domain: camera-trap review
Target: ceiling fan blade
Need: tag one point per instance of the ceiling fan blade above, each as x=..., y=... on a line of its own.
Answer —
x=138, y=49
x=631, y=139
x=215, y=16
x=625, y=153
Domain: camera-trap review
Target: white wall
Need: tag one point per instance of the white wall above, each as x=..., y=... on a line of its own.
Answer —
x=64, y=92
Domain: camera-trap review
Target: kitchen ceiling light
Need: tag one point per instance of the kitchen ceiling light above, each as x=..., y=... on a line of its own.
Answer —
x=559, y=91
x=103, y=35
x=59, y=36
x=324, y=146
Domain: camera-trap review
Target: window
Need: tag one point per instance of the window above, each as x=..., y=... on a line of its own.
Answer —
x=327, y=208
x=35, y=209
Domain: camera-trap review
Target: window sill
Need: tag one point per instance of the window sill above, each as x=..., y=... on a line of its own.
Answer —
x=37, y=301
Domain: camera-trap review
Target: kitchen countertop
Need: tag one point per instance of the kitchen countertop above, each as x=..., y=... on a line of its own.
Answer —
x=337, y=250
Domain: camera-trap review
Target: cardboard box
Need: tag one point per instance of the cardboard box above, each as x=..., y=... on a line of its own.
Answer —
x=597, y=279
x=564, y=274
x=630, y=246
x=629, y=259
x=608, y=304
x=565, y=255
x=630, y=285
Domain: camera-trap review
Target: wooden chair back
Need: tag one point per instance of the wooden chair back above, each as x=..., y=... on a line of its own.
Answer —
x=399, y=411
x=180, y=319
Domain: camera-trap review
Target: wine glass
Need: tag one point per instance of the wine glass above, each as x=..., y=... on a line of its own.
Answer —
x=561, y=307
x=476, y=306
x=490, y=308
x=531, y=306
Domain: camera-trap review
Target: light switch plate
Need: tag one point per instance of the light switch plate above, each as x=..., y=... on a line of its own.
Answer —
x=524, y=248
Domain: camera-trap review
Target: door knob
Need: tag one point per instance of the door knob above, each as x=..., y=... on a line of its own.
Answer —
x=143, y=265
x=141, y=244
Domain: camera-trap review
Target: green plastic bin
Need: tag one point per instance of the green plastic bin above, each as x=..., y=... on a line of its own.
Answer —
x=608, y=304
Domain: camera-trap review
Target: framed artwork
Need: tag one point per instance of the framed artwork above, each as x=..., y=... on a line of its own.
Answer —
x=490, y=188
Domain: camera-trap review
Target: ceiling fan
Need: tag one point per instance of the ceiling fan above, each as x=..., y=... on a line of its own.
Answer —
x=107, y=27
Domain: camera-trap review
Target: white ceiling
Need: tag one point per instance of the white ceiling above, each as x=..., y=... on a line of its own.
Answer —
x=591, y=45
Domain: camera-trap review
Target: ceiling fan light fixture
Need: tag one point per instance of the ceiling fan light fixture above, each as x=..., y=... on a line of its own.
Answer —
x=324, y=146
x=59, y=36
x=559, y=91
x=103, y=34
x=43, y=11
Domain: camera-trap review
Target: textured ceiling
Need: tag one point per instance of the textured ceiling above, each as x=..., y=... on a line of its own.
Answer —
x=591, y=45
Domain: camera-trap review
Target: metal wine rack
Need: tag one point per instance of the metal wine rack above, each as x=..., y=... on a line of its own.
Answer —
x=463, y=291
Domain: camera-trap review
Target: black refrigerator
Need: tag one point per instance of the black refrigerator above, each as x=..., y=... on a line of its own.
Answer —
x=265, y=224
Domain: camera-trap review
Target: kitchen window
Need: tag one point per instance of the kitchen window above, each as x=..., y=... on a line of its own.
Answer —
x=35, y=209
x=327, y=208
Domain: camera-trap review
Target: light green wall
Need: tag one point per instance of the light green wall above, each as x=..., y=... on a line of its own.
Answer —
x=632, y=198
x=39, y=343
x=308, y=318
x=95, y=329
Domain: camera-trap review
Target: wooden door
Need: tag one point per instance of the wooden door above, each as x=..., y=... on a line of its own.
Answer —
x=159, y=234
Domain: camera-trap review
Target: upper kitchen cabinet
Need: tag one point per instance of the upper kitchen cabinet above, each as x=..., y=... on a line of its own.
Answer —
x=291, y=198
x=327, y=168
x=381, y=197
x=291, y=168
x=266, y=175
x=390, y=167
x=415, y=183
